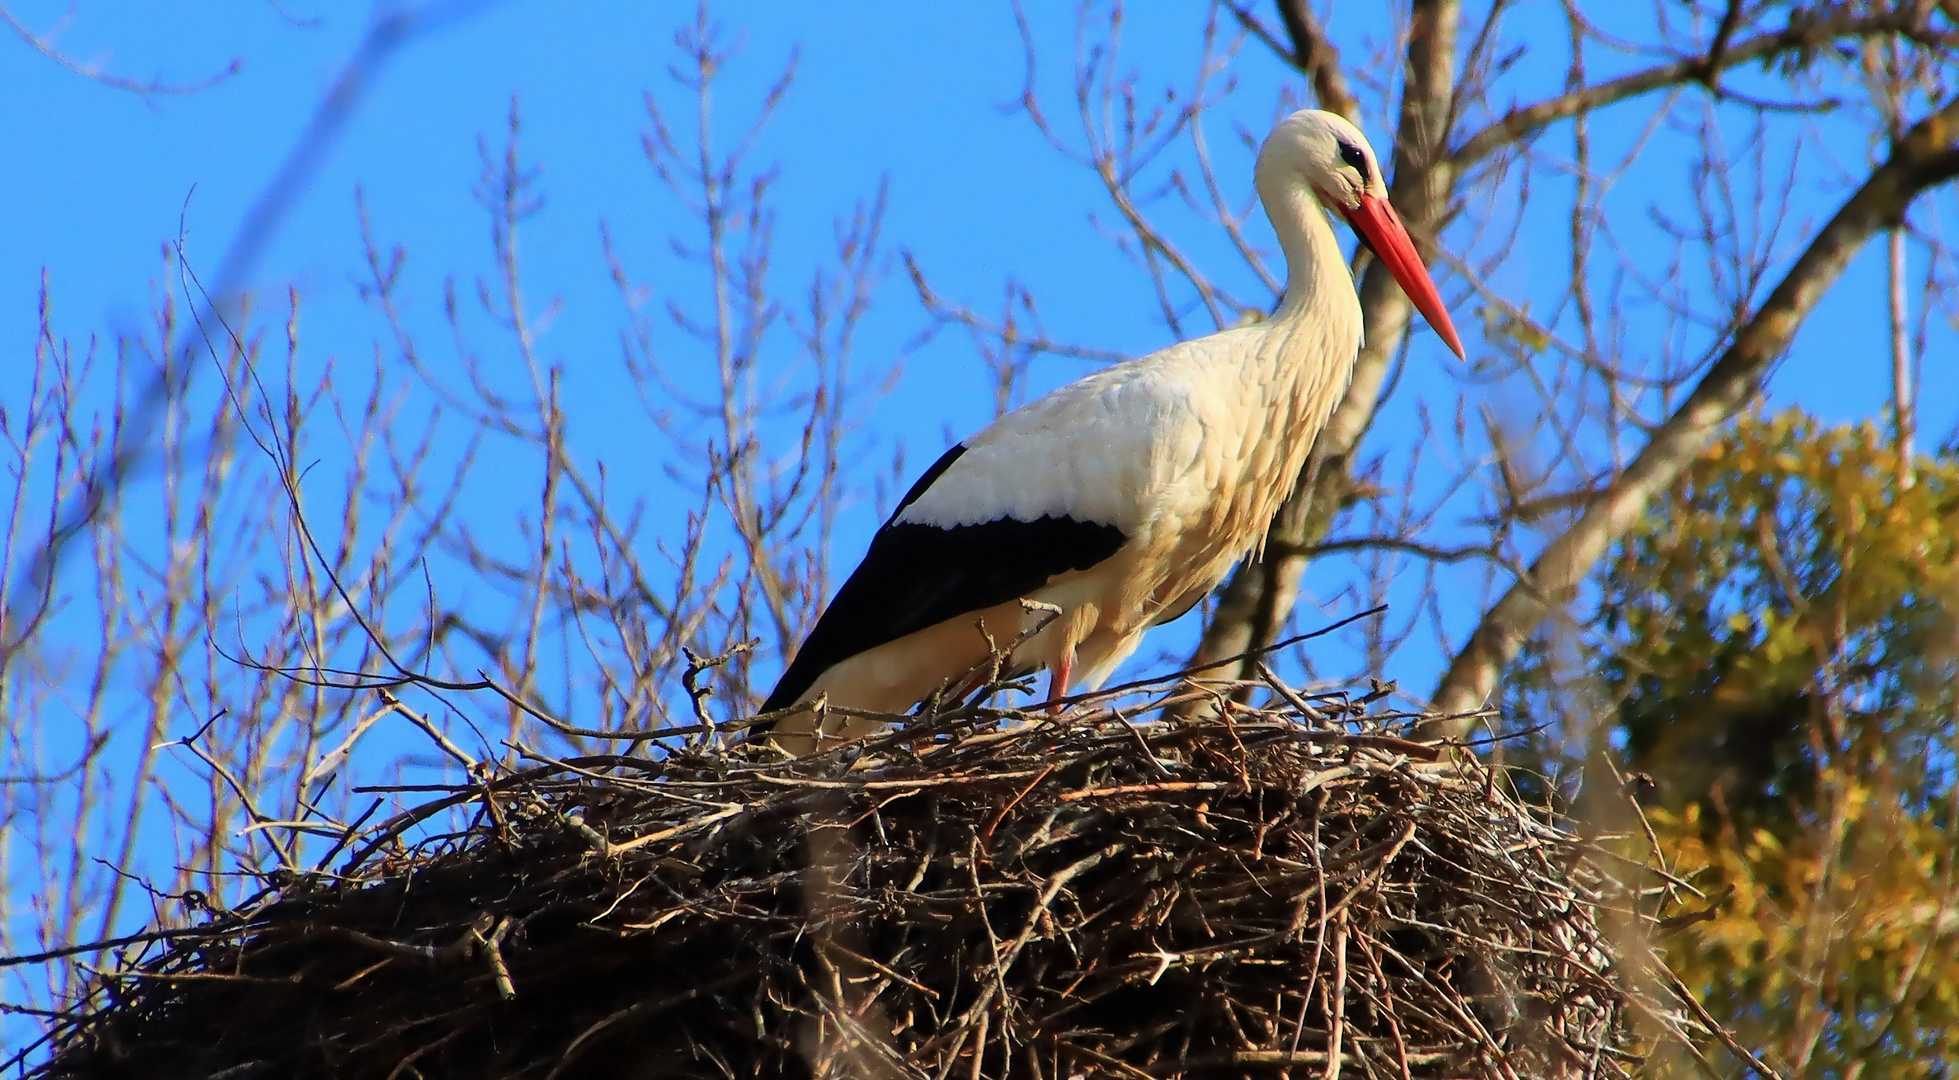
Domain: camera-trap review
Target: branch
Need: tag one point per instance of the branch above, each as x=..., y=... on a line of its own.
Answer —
x=44, y=44
x=1723, y=36
x=1925, y=157
x=1310, y=52
x=1403, y=545
x=1705, y=68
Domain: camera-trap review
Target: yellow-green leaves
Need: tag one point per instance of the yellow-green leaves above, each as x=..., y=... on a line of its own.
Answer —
x=1781, y=644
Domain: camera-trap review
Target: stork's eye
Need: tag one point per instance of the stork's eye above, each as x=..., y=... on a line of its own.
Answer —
x=1352, y=155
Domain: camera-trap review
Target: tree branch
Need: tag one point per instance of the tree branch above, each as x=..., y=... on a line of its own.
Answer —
x=1527, y=120
x=1314, y=55
x=1925, y=157
x=1723, y=35
x=45, y=45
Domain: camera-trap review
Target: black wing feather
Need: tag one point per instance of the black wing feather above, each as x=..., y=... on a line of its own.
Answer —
x=915, y=576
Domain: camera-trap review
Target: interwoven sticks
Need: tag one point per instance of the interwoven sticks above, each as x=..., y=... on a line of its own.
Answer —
x=1257, y=894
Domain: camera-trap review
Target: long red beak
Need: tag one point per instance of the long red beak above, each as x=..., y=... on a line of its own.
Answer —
x=1375, y=220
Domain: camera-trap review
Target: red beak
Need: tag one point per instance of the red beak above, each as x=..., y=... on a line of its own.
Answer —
x=1377, y=223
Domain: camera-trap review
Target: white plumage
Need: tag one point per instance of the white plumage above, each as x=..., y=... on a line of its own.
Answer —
x=1122, y=498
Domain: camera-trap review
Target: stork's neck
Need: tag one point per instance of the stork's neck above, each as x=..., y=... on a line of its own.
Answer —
x=1309, y=346
x=1302, y=358
x=1318, y=284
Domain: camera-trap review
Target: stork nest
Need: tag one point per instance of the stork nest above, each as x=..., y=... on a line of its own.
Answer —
x=993, y=894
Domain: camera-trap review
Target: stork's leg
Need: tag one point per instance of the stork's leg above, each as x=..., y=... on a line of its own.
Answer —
x=1058, y=680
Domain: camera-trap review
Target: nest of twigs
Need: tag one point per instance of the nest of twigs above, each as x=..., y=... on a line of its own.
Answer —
x=994, y=894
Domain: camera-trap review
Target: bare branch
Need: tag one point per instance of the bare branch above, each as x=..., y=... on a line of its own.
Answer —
x=45, y=45
x=1800, y=35
x=1310, y=51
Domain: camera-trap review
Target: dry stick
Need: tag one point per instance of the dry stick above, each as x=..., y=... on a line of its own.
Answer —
x=441, y=740
x=635, y=1011
x=964, y=1027
x=1322, y=779
x=1106, y=1061
x=1213, y=665
x=618, y=849
x=347, y=836
x=979, y=1045
x=237, y=787
x=393, y=828
x=1701, y=1063
x=690, y=679
x=431, y=954
x=1389, y=1012
x=1338, y=1022
x=1144, y=789
x=1000, y=966
x=1141, y=744
x=191, y=976
x=852, y=1035
x=986, y=834
x=360, y=680
x=1424, y=751
x=1686, y=996
x=347, y=983
x=407, y=1064
x=1296, y=1057
x=1646, y=826
x=1319, y=924
x=1054, y=886
x=1292, y=697
x=1002, y=962
x=893, y=785
x=148, y=937
x=1379, y=873
x=887, y=972
x=1462, y=1016
x=492, y=946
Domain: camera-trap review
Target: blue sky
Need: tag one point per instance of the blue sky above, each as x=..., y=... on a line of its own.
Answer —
x=102, y=175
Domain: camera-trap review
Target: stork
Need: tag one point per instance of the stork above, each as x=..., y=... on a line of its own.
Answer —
x=1119, y=501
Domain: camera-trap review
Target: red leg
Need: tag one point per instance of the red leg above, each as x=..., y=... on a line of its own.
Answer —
x=1058, y=680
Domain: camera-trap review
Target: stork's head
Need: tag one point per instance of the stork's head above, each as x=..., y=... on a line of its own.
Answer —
x=1331, y=158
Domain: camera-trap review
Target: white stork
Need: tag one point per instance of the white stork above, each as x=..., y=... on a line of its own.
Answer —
x=1121, y=499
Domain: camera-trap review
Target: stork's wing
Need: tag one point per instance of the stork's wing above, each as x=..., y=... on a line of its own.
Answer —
x=917, y=575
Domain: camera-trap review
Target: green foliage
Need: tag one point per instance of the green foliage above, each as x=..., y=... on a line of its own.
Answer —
x=1790, y=608
x=1779, y=647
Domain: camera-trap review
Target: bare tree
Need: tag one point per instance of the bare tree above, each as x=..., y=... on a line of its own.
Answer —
x=332, y=573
